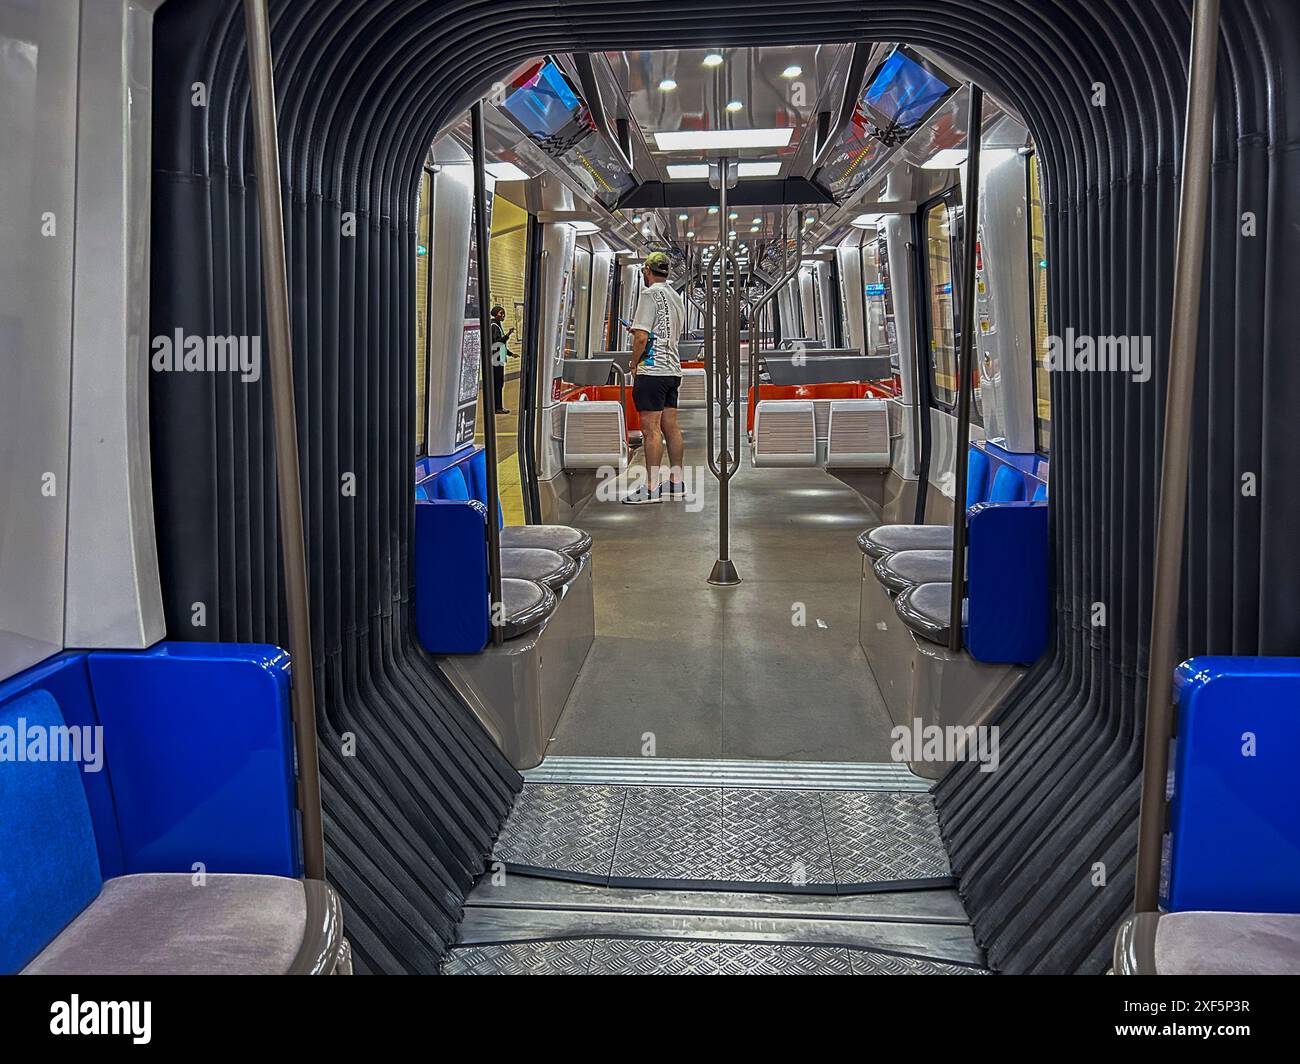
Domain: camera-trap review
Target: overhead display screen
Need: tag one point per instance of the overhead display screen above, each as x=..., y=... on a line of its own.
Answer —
x=545, y=104
x=902, y=94
x=546, y=107
x=903, y=91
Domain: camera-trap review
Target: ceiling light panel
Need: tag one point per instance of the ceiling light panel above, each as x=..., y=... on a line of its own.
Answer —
x=722, y=139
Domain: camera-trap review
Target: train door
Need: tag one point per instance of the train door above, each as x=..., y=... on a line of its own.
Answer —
x=508, y=266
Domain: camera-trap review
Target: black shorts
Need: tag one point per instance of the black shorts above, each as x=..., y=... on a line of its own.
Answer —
x=654, y=392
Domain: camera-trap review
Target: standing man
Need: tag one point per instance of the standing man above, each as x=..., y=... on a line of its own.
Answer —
x=656, y=328
x=500, y=353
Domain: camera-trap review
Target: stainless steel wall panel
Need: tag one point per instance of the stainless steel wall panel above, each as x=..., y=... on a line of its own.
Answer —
x=38, y=168
x=113, y=593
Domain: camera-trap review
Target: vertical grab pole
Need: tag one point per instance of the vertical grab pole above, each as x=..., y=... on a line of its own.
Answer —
x=710, y=364
x=481, y=237
x=1189, y=259
x=293, y=543
x=965, y=360
x=724, y=570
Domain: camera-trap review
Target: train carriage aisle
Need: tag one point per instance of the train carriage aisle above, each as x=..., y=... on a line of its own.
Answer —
x=959, y=638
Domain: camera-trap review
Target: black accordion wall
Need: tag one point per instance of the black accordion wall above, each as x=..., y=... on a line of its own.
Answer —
x=364, y=85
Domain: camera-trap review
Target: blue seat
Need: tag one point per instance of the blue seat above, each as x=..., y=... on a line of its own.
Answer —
x=1234, y=819
x=977, y=476
x=187, y=746
x=49, y=865
x=1008, y=485
x=1006, y=608
x=452, y=611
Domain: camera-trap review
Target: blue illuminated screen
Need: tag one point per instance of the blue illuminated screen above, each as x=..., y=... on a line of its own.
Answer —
x=544, y=104
x=904, y=90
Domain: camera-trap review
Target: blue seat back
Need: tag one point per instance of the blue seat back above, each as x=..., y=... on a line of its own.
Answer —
x=1008, y=485
x=977, y=477
x=1235, y=819
x=451, y=485
x=49, y=863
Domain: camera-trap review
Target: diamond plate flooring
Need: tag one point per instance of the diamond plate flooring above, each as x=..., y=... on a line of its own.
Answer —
x=652, y=956
x=826, y=842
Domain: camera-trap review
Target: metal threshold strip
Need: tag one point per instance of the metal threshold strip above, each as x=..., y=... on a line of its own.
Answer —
x=691, y=772
x=528, y=893
x=673, y=956
x=522, y=926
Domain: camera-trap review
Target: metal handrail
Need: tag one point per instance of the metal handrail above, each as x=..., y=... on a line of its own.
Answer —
x=622, y=383
x=293, y=540
x=722, y=327
x=916, y=364
x=965, y=365
x=1189, y=260
x=481, y=251
x=727, y=347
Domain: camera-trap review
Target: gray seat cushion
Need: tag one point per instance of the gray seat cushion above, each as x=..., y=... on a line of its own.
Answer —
x=1228, y=944
x=907, y=568
x=885, y=539
x=526, y=604
x=925, y=608
x=572, y=541
x=163, y=924
x=1208, y=943
x=548, y=567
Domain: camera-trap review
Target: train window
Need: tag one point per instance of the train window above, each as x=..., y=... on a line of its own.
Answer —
x=939, y=224
x=423, y=279
x=1038, y=285
x=943, y=238
x=575, y=333
x=878, y=314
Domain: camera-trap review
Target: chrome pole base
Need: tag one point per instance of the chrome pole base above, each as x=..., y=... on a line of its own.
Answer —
x=724, y=573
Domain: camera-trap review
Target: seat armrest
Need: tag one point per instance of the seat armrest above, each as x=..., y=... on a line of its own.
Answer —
x=1135, y=945
x=323, y=945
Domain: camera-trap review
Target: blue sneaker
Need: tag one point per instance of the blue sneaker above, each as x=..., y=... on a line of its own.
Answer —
x=674, y=492
x=644, y=495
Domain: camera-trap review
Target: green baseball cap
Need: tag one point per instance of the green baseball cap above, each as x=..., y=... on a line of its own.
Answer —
x=658, y=263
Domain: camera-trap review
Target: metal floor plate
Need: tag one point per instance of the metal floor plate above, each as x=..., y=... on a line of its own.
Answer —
x=654, y=956
x=721, y=838
x=720, y=772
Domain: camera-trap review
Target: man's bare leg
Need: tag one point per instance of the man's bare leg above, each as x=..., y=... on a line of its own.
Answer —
x=676, y=446
x=652, y=445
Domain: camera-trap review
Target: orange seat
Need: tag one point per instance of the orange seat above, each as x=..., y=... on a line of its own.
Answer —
x=829, y=390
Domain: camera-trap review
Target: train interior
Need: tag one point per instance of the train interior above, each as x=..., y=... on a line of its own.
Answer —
x=328, y=564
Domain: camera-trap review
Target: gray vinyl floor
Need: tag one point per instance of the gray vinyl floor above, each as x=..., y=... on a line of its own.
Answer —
x=706, y=672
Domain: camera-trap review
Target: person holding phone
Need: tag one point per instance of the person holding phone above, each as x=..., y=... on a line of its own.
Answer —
x=656, y=327
x=500, y=354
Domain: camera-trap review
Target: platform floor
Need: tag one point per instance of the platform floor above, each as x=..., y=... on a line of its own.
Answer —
x=684, y=670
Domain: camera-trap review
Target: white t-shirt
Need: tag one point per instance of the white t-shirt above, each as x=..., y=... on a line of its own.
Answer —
x=661, y=312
